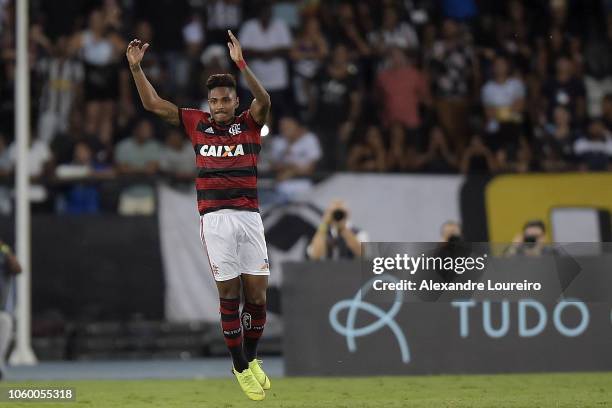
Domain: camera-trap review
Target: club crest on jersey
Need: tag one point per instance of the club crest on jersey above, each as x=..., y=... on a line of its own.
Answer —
x=234, y=129
x=222, y=151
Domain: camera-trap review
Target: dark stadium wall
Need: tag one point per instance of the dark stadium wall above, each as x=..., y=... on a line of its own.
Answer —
x=103, y=267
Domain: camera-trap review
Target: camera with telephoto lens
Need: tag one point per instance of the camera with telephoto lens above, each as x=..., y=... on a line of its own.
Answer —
x=530, y=241
x=454, y=239
x=339, y=215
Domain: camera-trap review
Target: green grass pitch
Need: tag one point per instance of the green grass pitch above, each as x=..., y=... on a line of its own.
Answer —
x=524, y=390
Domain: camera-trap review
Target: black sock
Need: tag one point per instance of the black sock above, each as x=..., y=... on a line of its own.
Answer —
x=238, y=359
x=232, y=332
x=250, y=349
x=253, y=322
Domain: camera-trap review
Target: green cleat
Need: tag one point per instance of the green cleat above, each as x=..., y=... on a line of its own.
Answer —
x=249, y=385
x=262, y=378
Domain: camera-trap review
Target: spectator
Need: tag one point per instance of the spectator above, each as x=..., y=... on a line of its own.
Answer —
x=430, y=154
x=100, y=46
x=62, y=79
x=336, y=238
x=336, y=103
x=368, y=152
x=82, y=197
x=177, y=159
x=365, y=19
x=556, y=45
x=40, y=166
x=214, y=60
x=396, y=158
x=9, y=267
x=439, y=158
x=153, y=67
x=454, y=69
x=63, y=143
x=565, y=90
x=478, y=158
x=294, y=157
x=266, y=43
x=402, y=90
x=346, y=30
x=594, y=150
x=542, y=42
x=189, y=68
x=193, y=35
x=555, y=142
x=288, y=11
x=503, y=99
x=138, y=155
x=307, y=53
x=598, y=67
x=222, y=15
x=393, y=34
x=515, y=31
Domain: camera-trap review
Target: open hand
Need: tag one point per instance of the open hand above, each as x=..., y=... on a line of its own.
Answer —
x=234, y=47
x=135, y=51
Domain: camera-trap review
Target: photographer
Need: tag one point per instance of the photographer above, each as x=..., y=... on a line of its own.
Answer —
x=531, y=242
x=9, y=267
x=451, y=232
x=336, y=238
x=452, y=245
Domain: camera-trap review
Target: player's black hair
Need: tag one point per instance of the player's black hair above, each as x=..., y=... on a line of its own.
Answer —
x=535, y=223
x=220, y=80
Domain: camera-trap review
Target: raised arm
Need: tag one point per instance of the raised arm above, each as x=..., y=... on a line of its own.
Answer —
x=150, y=100
x=261, y=104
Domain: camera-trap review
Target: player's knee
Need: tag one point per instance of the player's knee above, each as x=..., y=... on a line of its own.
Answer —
x=256, y=297
x=229, y=293
x=229, y=289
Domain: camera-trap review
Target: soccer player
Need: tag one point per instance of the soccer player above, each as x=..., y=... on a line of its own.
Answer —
x=226, y=148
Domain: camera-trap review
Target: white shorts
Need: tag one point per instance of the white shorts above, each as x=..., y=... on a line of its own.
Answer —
x=234, y=242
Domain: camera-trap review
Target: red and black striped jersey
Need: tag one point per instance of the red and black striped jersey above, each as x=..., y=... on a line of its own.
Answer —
x=226, y=160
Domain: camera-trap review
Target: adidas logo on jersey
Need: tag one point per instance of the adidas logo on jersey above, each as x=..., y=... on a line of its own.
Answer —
x=222, y=151
x=210, y=130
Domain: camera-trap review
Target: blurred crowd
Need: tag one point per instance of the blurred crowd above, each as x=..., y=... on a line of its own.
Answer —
x=437, y=86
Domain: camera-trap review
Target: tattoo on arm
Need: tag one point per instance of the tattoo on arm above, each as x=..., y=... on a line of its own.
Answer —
x=170, y=116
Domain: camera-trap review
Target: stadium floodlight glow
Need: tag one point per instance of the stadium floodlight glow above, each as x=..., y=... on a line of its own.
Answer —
x=22, y=354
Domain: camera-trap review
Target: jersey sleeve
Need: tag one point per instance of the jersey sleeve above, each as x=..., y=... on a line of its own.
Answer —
x=190, y=119
x=252, y=124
